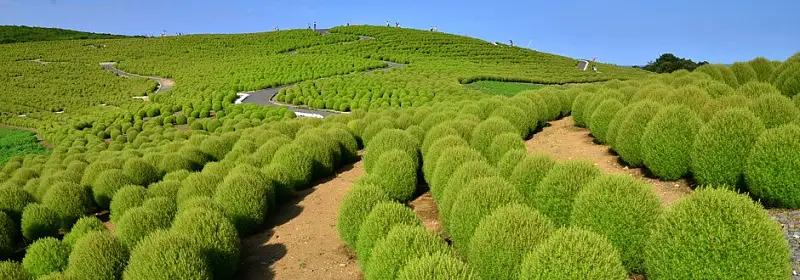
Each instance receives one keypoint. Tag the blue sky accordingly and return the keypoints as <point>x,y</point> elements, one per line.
<point>626,32</point>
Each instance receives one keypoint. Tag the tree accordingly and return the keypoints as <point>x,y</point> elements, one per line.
<point>668,63</point>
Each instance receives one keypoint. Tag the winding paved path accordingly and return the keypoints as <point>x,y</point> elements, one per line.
<point>164,84</point>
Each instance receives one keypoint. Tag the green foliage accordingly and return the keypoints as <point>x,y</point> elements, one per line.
<point>772,172</point>
<point>107,184</point>
<point>719,234</point>
<point>347,143</point>
<point>461,179</point>
<point>503,88</point>
<point>630,131</point>
<point>164,207</point>
<point>599,120</point>
<point>82,227</point>
<point>127,197</point>
<point>502,144</point>
<point>321,150</point>
<point>556,192</point>
<point>44,256</point>
<point>9,232</point>
<point>722,145</point>
<point>18,34</point>
<point>245,196</point>
<point>388,140</point>
<point>39,221</point>
<point>668,63</point>
<point>509,161</point>
<point>15,142</point>
<point>528,173</point>
<point>166,256</point>
<point>447,164</point>
<point>166,188</point>
<point>438,266</point>
<point>70,201</point>
<point>296,163</point>
<point>572,253</point>
<point>774,110</point>
<point>396,174</point>
<point>13,201</point>
<point>440,131</point>
<point>503,239</point>
<point>667,141</point>
<point>473,203</point>
<point>744,72</point>
<point>136,224</point>
<point>485,132</point>
<point>516,117</point>
<point>579,106</point>
<point>383,217</point>
<point>12,271</point>
<point>216,237</point>
<point>140,172</point>
<point>402,244</point>
<point>763,68</point>
<point>98,256</point>
<point>197,184</point>
<point>437,150</point>
<point>355,207</point>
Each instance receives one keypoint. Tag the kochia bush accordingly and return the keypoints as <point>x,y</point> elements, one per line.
<point>12,270</point>
<point>516,117</point>
<point>383,217</point>
<point>772,172</point>
<point>722,145</point>
<point>629,134</point>
<point>107,184</point>
<point>447,163</point>
<point>245,196</point>
<point>401,244</point>
<point>136,224</point>
<point>298,165</point>
<point>502,144</point>
<point>667,141</point>
<point>438,266</point>
<point>572,253</point>
<point>140,171</point>
<point>214,235</point>
<point>127,197</point>
<point>44,256</point>
<point>396,174</point>
<point>388,140</point>
<point>473,203</point>
<point>774,110</point>
<point>602,116</point>
<point>528,173</point>
<point>556,192</point>
<point>509,161</point>
<point>165,255</point>
<point>485,132</point>
<point>9,232</point>
<point>98,256</point>
<point>356,205</point>
<point>466,173</point>
<point>82,227</point>
<point>436,150</point>
<point>39,221</point>
<point>13,201</point>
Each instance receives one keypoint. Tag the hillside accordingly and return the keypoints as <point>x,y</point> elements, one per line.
<point>20,34</point>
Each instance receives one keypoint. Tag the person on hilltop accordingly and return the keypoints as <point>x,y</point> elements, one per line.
<point>594,67</point>
<point>309,26</point>
<point>387,24</point>
<point>315,25</point>
<point>396,24</point>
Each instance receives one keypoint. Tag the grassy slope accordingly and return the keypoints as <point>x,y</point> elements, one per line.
<point>19,34</point>
<point>503,88</point>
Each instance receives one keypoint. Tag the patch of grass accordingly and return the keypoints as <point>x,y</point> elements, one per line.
<point>15,142</point>
<point>503,88</point>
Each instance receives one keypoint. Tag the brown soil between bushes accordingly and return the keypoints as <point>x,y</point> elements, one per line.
<point>564,141</point>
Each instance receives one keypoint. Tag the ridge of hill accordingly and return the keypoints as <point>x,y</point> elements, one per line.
<point>20,34</point>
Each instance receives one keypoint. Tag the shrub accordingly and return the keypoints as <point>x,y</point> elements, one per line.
<point>719,234</point>
<point>127,197</point>
<point>509,161</point>
<point>599,120</point>
<point>573,254</point>
<point>13,201</point>
<point>176,161</point>
<point>297,165</point>
<point>245,197</point>
<point>320,148</point>
<point>690,96</point>
<point>774,110</point>
<point>12,271</point>
<point>168,189</point>
<point>623,210</point>
<point>439,131</point>
<point>395,173</point>
<point>744,72</point>
<point>216,237</point>
<point>356,205</point>
<point>515,116</point>
<point>107,184</point>
<point>436,150</point>
<point>763,68</point>
<point>629,134</point>
<point>502,144</point>
<point>39,221</point>
<point>347,143</point>
<point>485,132</point>
<point>70,201</point>
<point>401,244</point>
<point>613,125</point>
<point>438,266</point>
<point>462,176</point>
<point>136,224</point>
<point>98,255</point>
<point>722,145</point>
<point>8,235</point>
<point>83,226</point>
<point>95,169</point>
<point>197,184</point>
<point>555,194</point>
<point>503,238</point>
<point>383,217</point>
<point>165,255</point>
<point>140,172</point>
<point>388,140</point>
<point>667,141</point>
<point>528,173</point>
<point>772,173</point>
<point>44,256</point>
<point>374,128</point>
<point>724,103</point>
<point>477,200</point>
<point>447,163</point>
<point>175,176</point>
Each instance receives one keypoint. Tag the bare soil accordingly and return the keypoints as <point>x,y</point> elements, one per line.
<point>302,241</point>
<point>564,141</point>
<point>428,212</point>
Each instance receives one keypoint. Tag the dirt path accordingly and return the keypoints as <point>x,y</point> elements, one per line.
<point>302,241</point>
<point>564,141</point>
<point>164,84</point>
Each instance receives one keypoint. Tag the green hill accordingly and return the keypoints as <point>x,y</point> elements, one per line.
<point>19,34</point>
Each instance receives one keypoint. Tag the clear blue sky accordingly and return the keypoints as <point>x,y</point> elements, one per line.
<point>624,32</point>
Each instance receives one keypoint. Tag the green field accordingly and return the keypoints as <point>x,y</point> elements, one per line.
<point>503,88</point>
<point>15,142</point>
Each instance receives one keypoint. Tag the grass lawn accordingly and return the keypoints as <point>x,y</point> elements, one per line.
<point>503,88</point>
<point>15,142</point>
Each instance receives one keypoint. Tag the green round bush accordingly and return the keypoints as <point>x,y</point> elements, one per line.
<point>667,141</point>
<point>82,227</point>
<point>502,144</point>
<point>722,145</point>
<point>599,120</point>
<point>772,172</point>
<point>8,235</point>
<point>396,174</point>
<point>319,147</point>
<point>763,68</point>
<point>438,266</point>
<point>629,134</point>
<point>215,235</point>
<point>165,256</point>
<point>447,163</point>
<point>197,184</point>
<point>744,72</point>
<point>216,147</point>
<point>515,116</point>
<point>503,239</point>
<point>298,165</point>
<point>168,189</point>
<point>356,205</point>
<point>199,202</point>
<point>439,131</point>
<point>12,271</point>
<point>436,150</point>
<point>176,161</point>
<point>757,89</point>
<point>374,128</point>
<point>719,234</point>
<point>462,176</point>
<point>774,110</point>
<point>556,192</point>
<point>613,125</point>
<point>388,140</point>
<point>95,169</point>
<point>39,221</point>
<point>127,197</point>
<point>691,96</point>
<point>98,256</point>
<point>347,143</point>
<point>245,197</point>
<point>528,173</point>
<point>107,184</point>
<point>509,161</point>
<point>44,256</point>
<point>140,172</point>
<point>572,253</point>
<point>401,244</point>
<point>175,176</point>
<point>13,201</point>
<point>377,224</point>
<point>622,209</point>
<point>136,224</point>
<point>477,200</point>
<point>485,132</point>
<point>70,201</point>
<point>164,207</point>
<point>724,103</point>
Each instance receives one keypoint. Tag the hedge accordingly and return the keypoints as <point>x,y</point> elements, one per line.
<point>136,224</point>
<point>12,270</point>
<point>438,266</point>
<point>356,206</point>
<point>629,134</point>
<point>476,201</point>
<point>166,188</point>
<point>296,163</point>
<point>447,163</point>
<point>13,201</point>
<point>165,256</point>
<point>461,178</point>
<point>98,256</point>
<point>396,174</point>
<point>485,132</point>
<point>572,253</point>
<point>772,172</point>
<point>107,184</point>
<point>503,239</point>
<point>599,120</point>
<point>383,217</point>
<point>245,197</point>
<point>216,237</point>
<point>503,143</point>
<point>667,141</point>
<point>126,198</point>
<point>719,234</point>
<point>388,140</point>
<point>44,256</point>
<point>82,227</point>
<point>401,244</point>
<point>39,221</point>
<point>528,173</point>
<point>9,232</point>
<point>622,209</point>
<point>555,194</point>
<point>722,145</point>
<point>774,110</point>
<point>437,150</point>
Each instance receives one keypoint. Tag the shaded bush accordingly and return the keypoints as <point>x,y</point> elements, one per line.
<point>347,144</point>
<point>140,172</point>
<point>214,235</point>
<point>573,254</point>
<point>175,176</point>
<point>722,145</point>
<point>629,134</point>
<point>127,197</point>
<point>388,140</point>
<point>485,132</point>
<point>613,126</point>
<point>402,243</point>
<point>396,174</point>
<point>383,217</point>
<point>216,147</point>
<point>137,223</point>
<point>556,192</point>
<point>166,256</point>
<point>774,110</point>
<point>245,197</point>
<point>8,235</point>
<point>44,256</point>
<point>39,221</point>
<point>599,120</point>
<point>747,244</point>
<point>98,256</point>
<point>503,143</point>
<point>13,201</point>
<point>297,165</point>
<point>83,226</point>
<point>12,270</point>
<point>356,205</point>
<point>438,266</point>
<point>70,201</point>
<point>744,72</point>
<point>316,144</point>
<point>667,141</point>
<point>473,203</point>
<point>461,178</point>
<point>528,173</point>
<point>763,68</point>
<point>502,240</point>
<point>107,184</point>
<point>772,172</point>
